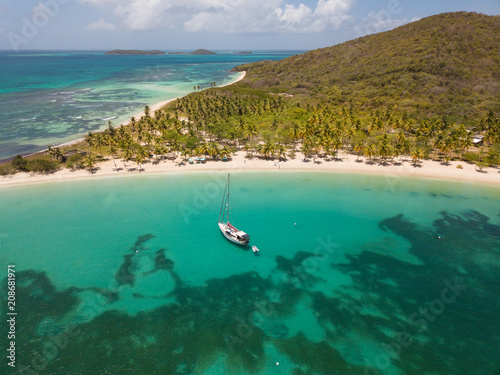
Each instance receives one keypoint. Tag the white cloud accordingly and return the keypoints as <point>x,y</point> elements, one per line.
<point>228,16</point>
<point>333,12</point>
<point>381,21</point>
<point>101,3</point>
<point>101,24</point>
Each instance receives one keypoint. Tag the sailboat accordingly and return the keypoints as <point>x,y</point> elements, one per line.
<point>230,232</point>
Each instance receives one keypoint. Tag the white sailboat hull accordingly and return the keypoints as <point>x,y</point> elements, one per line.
<point>232,236</point>
<point>230,232</point>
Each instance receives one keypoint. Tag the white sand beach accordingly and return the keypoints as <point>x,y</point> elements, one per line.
<point>345,163</point>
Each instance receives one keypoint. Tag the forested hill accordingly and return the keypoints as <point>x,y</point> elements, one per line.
<point>448,64</point>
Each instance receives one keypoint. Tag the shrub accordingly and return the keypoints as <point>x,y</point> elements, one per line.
<point>471,157</point>
<point>480,166</point>
<point>43,166</point>
<point>7,169</point>
<point>19,163</point>
<point>75,161</point>
<point>492,157</point>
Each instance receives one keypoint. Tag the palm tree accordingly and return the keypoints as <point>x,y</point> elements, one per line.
<point>127,153</point>
<point>58,153</point>
<point>325,143</point>
<point>267,150</point>
<point>448,146</point>
<point>384,148</point>
<point>251,131</point>
<point>147,112</point>
<point>121,132</point>
<point>99,141</point>
<point>133,123</point>
<point>416,155</point>
<point>359,148</point>
<point>89,139</point>
<point>175,146</point>
<point>140,130</point>
<point>148,138</point>
<point>141,155</point>
<point>466,143</point>
<point>225,152</point>
<point>112,152</point>
<point>336,143</point>
<point>241,125</point>
<point>90,162</point>
<point>203,149</point>
<point>370,151</point>
<point>398,150</point>
<point>306,149</point>
<point>295,132</point>
<point>400,137</point>
<point>282,154</point>
<point>159,149</point>
<point>50,151</point>
<point>213,150</point>
<point>350,132</point>
<point>439,142</point>
<point>55,152</point>
<point>111,130</point>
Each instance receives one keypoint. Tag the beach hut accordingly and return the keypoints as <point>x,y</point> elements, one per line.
<point>74,151</point>
<point>170,156</point>
<point>478,140</point>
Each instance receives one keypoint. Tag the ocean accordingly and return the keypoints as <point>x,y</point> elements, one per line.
<point>52,97</point>
<point>356,275</point>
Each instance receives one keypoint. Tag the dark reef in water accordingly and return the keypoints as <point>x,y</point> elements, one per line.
<point>396,305</point>
<point>125,274</point>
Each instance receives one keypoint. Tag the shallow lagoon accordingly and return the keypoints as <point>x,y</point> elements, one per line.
<point>357,274</point>
<point>54,97</point>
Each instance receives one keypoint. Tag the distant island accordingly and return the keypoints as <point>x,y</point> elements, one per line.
<point>197,52</point>
<point>134,52</point>
<point>243,53</point>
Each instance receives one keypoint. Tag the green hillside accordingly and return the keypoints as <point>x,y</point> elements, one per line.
<point>448,64</point>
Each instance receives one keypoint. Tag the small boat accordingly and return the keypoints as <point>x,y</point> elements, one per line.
<point>229,231</point>
<point>255,249</point>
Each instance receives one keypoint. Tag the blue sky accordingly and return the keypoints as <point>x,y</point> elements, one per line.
<point>212,24</point>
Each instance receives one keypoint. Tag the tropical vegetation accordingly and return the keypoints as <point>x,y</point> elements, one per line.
<point>423,90</point>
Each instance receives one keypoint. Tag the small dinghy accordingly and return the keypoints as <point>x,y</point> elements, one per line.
<point>255,249</point>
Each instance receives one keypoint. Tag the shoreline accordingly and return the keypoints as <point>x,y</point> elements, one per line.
<point>345,163</point>
<point>153,108</point>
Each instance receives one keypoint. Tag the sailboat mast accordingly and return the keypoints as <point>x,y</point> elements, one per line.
<point>228,190</point>
<point>225,203</point>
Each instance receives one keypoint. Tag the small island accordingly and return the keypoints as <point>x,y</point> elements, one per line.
<point>243,53</point>
<point>197,52</point>
<point>133,52</point>
<point>203,52</point>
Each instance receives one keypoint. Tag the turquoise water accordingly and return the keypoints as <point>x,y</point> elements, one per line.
<point>48,98</point>
<point>355,275</point>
